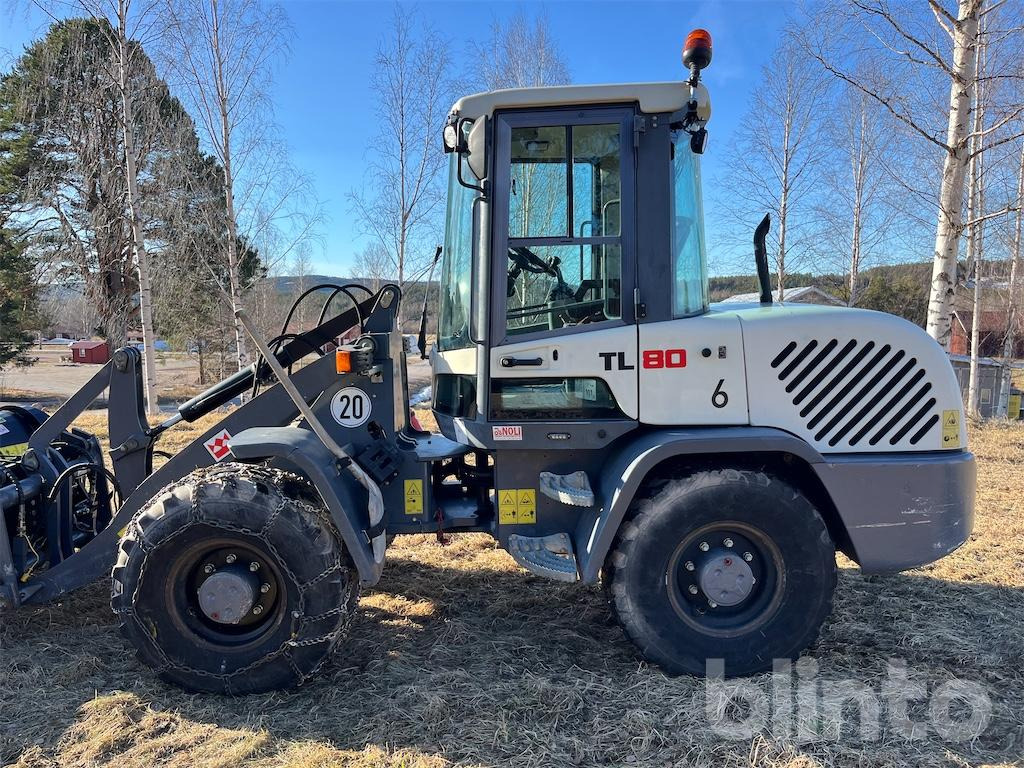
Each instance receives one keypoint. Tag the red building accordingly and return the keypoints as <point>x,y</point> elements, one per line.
<point>95,352</point>
<point>992,329</point>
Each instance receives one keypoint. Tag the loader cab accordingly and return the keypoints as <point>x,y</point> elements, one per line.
<point>574,215</point>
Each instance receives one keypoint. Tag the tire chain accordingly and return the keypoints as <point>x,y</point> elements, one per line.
<point>275,478</point>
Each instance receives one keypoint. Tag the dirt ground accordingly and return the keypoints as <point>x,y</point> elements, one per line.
<point>459,657</point>
<point>51,378</point>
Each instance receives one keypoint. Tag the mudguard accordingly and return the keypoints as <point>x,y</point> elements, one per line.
<point>300,450</point>
<point>897,510</point>
<point>627,468</point>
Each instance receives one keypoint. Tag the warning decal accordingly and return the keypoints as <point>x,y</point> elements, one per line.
<point>951,429</point>
<point>219,445</point>
<point>414,497</point>
<point>517,506</point>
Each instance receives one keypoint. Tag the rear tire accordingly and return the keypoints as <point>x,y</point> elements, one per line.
<point>285,591</point>
<point>726,564</point>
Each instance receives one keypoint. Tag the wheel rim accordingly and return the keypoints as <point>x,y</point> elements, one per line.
<point>725,579</point>
<point>227,592</point>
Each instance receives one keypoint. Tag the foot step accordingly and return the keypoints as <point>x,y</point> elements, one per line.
<point>548,556</point>
<point>573,489</point>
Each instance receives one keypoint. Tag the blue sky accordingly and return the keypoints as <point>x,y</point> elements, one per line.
<point>324,105</point>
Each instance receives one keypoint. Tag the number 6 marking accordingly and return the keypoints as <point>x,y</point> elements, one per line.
<point>720,398</point>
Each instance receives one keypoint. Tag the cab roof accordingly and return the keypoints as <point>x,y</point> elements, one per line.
<point>652,97</point>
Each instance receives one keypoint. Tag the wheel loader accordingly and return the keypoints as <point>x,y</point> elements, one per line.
<point>598,417</point>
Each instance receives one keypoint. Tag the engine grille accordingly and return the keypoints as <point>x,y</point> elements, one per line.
<point>857,392</point>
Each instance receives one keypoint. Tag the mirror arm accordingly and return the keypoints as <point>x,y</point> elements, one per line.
<point>462,181</point>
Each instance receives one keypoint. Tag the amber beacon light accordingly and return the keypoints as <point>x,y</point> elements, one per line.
<point>697,53</point>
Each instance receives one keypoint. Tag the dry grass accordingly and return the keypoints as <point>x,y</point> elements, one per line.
<point>459,657</point>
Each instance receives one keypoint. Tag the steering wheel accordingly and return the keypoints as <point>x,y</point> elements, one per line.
<point>527,261</point>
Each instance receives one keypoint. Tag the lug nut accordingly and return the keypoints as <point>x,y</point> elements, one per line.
<point>704,546</point>
<point>264,588</point>
<point>693,589</point>
<point>712,604</point>
<point>230,559</point>
<point>257,610</point>
<point>208,568</point>
<point>688,565</point>
<point>747,556</point>
<point>728,542</point>
<point>254,567</point>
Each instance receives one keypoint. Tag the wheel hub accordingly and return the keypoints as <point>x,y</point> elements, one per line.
<point>726,578</point>
<point>229,595</point>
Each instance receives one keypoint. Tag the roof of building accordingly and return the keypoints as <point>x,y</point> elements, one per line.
<point>801,294</point>
<point>86,344</point>
<point>652,97</point>
<point>985,361</point>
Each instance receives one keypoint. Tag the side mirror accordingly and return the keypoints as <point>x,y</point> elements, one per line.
<point>477,148</point>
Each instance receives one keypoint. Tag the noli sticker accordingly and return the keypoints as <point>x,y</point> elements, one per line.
<point>507,432</point>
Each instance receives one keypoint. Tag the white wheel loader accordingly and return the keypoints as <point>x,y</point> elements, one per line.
<point>598,417</point>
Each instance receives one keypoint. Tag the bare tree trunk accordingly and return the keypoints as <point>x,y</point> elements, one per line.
<point>951,191</point>
<point>138,239</point>
<point>783,211</point>
<point>976,210</point>
<point>202,368</point>
<point>234,267</point>
<point>859,171</point>
<point>1012,308</point>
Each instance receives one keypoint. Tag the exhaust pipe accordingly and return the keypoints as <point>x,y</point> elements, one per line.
<point>761,258</point>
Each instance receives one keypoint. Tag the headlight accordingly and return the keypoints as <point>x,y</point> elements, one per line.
<point>451,137</point>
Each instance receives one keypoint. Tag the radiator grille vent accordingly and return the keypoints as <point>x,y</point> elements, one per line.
<point>860,393</point>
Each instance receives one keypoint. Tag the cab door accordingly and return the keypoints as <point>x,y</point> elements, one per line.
<point>564,339</point>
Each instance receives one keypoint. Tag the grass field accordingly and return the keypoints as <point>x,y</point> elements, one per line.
<point>460,657</point>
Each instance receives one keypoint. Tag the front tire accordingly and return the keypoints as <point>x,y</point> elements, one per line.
<point>726,564</point>
<point>234,581</point>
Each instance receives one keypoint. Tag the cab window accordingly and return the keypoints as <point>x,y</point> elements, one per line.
<point>457,265</point>
<point>689,261</point>
<point>564,246</point>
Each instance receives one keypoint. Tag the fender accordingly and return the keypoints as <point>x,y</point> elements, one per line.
<point>627,467</point>
<point>301,450</point>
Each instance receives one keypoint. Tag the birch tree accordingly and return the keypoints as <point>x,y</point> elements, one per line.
<point>1013,303</point>
<point>776,159</point>
<point>401,203</point>
<point>923,46</point>
<point>500,60</point>
<point>857,212</point>
<point>221,54</point>
<point>975,231</point>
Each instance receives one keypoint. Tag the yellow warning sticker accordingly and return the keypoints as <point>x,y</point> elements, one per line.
<point>13,450</point>
<point>517,506</point>
<point>1013,409</point>
<point>414,497</point>
<point>951,429</point>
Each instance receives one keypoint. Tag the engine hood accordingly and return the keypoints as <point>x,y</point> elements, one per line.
<point>848,380</point>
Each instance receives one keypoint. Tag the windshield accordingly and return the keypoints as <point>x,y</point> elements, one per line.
<point>457,264</point>
<point>689,261</point>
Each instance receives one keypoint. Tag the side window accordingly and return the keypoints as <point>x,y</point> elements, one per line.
<point>565,185</point>
<point>689,262</point>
